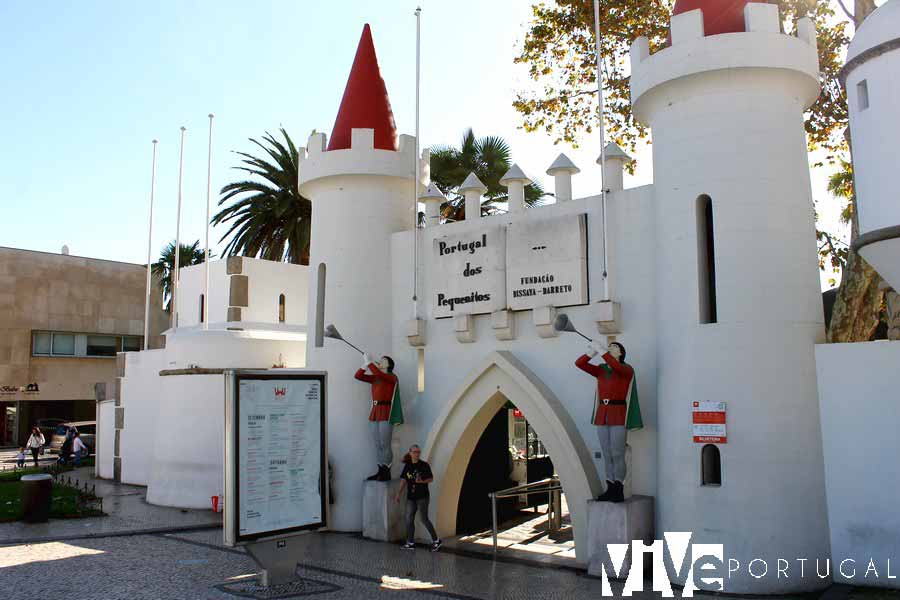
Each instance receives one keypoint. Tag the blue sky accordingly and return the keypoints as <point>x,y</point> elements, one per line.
<point>88,85</point>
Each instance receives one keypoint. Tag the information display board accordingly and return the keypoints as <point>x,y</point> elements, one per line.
<point>275,463</point>
<point>708,419</point>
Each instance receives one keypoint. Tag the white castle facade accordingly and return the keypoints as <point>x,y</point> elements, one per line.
<point>712,287</point>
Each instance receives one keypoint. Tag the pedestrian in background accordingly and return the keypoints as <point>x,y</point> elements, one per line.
<point>35,443</point>
<point>415,478</point>
<point>20,458</point>
<point>65,450</point>
<point>80,448</point>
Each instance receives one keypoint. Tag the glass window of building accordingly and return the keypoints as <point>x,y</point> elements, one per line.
<point>63,344</point>
<point>41,345</point>
<point>102,345</point>
<point>131,343</point>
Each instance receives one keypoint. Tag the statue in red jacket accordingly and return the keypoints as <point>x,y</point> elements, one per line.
<point>386,410</point>
<point>616,410</point>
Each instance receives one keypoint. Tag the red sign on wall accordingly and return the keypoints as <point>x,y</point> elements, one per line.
<point>709,422</point>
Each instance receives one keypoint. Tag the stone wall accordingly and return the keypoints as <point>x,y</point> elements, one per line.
<point>56,292</point>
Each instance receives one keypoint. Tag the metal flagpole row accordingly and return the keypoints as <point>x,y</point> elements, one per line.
<point>174,302</point>
<point>175,274</point>
<point>416,171</point>
<point>602,144</point>
<point>206,260</point>
<point>149,252</point>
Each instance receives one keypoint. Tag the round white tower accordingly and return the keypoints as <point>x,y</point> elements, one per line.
<point>361,192</point>
<point>739,308</point>
<point>872,80</point>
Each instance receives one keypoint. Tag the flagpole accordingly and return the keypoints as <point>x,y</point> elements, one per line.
<point>602,145</point>
<point>174,301</point>
<point>206,260</point>
<point>416,170</point>
<point>149,252</point>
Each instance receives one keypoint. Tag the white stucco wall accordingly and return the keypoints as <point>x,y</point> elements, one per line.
<point>190,287</point>
<point>859,400</point>
<point>174,424</point>
<point>140,399</point>
<point>186,467</point>
<point>106,437</point>
<point>267,280</point>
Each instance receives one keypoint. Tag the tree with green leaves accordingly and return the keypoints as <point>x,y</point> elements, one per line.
<point>559,52</point>
<point>269,218</point>
<point>489,158</point>
<point>163,269</point>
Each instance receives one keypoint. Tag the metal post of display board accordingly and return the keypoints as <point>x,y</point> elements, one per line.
<point>275,548</point>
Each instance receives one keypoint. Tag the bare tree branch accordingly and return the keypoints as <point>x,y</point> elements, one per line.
<point>846,12</point>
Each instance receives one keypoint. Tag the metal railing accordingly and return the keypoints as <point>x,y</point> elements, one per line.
<point>551,485</point>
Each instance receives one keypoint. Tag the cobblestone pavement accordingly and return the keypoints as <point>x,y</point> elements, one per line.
<point>195,565</point>
<point>127,512</point>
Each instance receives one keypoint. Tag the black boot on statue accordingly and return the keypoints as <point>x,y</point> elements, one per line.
<point>384,473</point>
<point>618,494</point>
<point>376,476</point>
<point>605,496</point>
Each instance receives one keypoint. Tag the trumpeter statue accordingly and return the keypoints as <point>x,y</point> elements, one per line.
<point>616,409</point>
<point>386,410</point>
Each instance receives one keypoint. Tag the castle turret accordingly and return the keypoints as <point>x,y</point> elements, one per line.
<point>361,193</point>
<point>739,308</point>
<point>872,80</point>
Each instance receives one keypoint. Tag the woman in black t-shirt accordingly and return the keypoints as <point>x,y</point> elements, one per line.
<point>415,477</point>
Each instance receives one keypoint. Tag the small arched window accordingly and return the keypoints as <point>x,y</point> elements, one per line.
<point>202,307</point>
<point>711,465</point>
<point>281,308</point>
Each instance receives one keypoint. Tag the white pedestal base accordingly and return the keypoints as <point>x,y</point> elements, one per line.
<point>382,517</point>
<point>617,523</point>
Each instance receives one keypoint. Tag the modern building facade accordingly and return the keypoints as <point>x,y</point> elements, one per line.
<point>62,320</point>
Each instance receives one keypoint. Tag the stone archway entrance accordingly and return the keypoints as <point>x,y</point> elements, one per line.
<point>457,429</point>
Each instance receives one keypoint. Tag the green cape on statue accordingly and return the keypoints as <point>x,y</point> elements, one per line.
<point>633,420</point>
<point>396,417</point>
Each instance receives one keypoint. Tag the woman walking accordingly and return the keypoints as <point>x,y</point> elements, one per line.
<point>415,478</point>
<point>35,442</point>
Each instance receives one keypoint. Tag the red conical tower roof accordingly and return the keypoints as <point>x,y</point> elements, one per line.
<point>365,104</point>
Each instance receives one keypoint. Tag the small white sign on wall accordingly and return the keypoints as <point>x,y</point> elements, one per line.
<point>468,273</point>
<point>546,262</point>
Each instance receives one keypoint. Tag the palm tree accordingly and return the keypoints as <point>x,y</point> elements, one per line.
<point>271,219</point>
<point>165,266</point>
<point>489,158</point>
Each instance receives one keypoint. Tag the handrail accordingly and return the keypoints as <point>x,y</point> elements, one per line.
<point>552,484</point>
<point>515,491</point>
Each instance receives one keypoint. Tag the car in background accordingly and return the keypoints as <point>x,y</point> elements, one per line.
<point>48,427</point>
<point>87,430</point>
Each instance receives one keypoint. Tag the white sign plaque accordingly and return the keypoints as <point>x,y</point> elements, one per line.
<point>708,421</point>
<point>468,273</point>
<point>546,262</point>
<point>276,456</point>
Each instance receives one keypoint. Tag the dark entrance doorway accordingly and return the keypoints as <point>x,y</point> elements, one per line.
<point>508,454</point>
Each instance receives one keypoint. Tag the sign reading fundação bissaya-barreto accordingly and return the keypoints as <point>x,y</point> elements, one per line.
<point>524,265</point>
